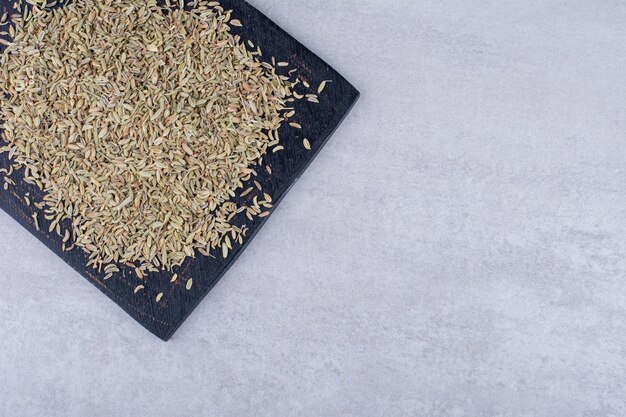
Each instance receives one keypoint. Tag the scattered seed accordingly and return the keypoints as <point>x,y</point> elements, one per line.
<point>189,284</point>
<point>36,221</point>
<point>246,192</point>
<point>307,144</point>
<point>107,183</point>
<point>322,86</point>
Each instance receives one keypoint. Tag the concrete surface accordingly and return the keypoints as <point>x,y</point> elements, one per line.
<point>457,250</point>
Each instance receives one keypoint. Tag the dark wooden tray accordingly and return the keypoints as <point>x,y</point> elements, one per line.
<point>318,122</point>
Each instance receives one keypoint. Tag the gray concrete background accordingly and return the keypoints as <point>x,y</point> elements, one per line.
<point>458,249</point>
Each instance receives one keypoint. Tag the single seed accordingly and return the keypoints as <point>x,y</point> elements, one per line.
<point>322,86</point>
<point>159,296</point>
<point>307,144</point>
<point>189,284</point>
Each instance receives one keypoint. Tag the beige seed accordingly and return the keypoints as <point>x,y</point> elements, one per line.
<point>159,297</point>
<point>322,86</point>
<point>138,288</point>
<point>34,216</point>
<point>307,144</point>
<point>189,284</point>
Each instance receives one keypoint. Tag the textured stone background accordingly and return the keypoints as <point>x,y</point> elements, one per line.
<point>457,249</point>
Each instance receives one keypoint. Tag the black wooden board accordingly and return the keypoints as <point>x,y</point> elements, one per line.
<point>318,122</point>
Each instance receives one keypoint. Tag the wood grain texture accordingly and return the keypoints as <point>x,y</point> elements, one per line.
<point>318,122</point>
